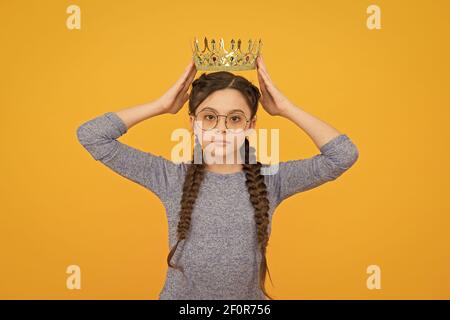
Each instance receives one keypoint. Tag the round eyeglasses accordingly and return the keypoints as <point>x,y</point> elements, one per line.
<point>235,120</point>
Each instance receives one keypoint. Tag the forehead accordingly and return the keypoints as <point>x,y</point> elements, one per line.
<point>224,101</point>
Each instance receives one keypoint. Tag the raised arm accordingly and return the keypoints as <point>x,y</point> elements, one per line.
<point>294,176</point>
<point>337,152</point>
<point>99,137</point>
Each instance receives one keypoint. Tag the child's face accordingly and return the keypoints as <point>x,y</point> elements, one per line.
<point>221,142</point>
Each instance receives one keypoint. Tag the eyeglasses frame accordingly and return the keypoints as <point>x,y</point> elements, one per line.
<point>217,122</point>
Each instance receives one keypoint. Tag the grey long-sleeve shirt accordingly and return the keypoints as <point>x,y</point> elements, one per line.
<point>220,256</point>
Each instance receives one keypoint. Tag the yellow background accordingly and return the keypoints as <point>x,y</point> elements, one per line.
<point>387,89</point>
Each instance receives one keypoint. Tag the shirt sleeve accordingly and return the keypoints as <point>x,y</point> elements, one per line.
<point>290,177</point>
<point>99,137</point>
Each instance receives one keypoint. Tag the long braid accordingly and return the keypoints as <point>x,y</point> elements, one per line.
<point>258,197</point>
<point>191,187</point>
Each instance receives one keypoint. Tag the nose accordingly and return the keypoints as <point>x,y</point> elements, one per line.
<point>221,124</point>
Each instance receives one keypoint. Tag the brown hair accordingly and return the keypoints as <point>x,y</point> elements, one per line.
<point>201,88</point>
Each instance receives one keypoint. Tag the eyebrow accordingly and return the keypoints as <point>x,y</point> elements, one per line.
<point>240,110</point>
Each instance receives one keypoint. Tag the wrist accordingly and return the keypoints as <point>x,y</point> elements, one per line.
<point>288,110</point>
<point>156,107</point>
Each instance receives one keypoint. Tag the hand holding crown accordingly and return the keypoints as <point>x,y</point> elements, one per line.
<point>272,100</point>
<point>238,57</point>
<point>177,95</point>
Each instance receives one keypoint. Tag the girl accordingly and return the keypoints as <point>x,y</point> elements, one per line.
<point>219,215</point>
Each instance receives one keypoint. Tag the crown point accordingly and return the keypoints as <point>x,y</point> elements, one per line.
<point>218,58</point>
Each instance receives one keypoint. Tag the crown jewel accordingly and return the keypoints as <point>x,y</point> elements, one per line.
<point>218,58</point>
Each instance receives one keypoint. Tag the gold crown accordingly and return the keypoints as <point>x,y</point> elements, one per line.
<point>215,58</point>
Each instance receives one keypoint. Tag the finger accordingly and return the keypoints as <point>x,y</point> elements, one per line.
<point>190,64</point>
<point>262,86</point>
<point>261,68</point>
<point>265,74</point>
<point>189,80</point>
<point>268,83</point>
<point>259,61</point>
<point>266,86</point>
<point>191,74</point>
<point>261,81</point>
<point>181,100</point>
<point>189,69</point>
<point>264,68</point>
<point>181,93</point>
<point>260,78</point>
<point>263,77</point>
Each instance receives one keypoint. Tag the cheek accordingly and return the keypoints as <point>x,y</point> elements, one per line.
<point>199,135</point>
<point>239,140</point>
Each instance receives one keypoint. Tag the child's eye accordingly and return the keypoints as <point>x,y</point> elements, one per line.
<point>235,118</point>
<point>210,117</point>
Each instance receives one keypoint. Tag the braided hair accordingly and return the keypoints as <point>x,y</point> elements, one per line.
<point>201,88</point>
